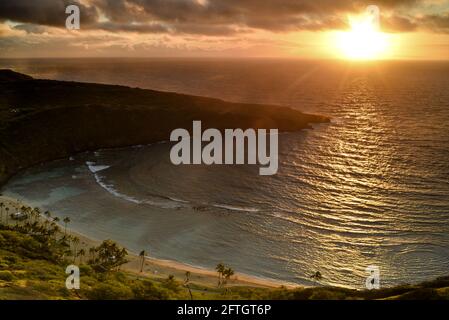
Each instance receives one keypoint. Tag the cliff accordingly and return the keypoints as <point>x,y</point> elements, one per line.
<point>43,120</point>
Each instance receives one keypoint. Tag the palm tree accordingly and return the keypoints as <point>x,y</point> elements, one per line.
<point>92,253</point>
<point>75,241</point>
<point>48,215</point>
<point>227,273</point>
<point>81,254</point>
<point>7,214</point>
<point>36,211</point>
<point>25,212</point>
<point>66,221</point>
<point>142,260</point>
<point>220,269</point>
<point>54,224</point>
<point>37,215</point>
<point>186,284</point>
<point>1,210</point>
<point>54,227</point>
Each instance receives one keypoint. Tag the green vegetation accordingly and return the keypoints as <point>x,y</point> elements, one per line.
<point>224,273</point>
<point>34,253</point>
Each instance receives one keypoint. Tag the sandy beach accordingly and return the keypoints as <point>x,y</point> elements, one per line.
<point>159,268</point>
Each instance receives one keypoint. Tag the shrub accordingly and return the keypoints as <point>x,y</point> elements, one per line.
<point>146,290</point>
<point>421,294</point>
<point>85,270</point>
<point>6,275</point>
<point>110,290</point>
<point>326,294</point>
<point>171,284</point>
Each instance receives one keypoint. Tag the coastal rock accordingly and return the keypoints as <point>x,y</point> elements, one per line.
<point>56,119</point>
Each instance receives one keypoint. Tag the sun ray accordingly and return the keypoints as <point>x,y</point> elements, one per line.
<point>363,42</point>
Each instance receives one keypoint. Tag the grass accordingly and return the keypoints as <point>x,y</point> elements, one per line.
<point>32,266</point>
<point>27,271</point>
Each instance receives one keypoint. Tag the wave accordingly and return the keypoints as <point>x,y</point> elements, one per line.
<point>112,190</point>
<point>168,203</point>
<point>96,168</point>
<point>178,200</point>
<point>235,208</point>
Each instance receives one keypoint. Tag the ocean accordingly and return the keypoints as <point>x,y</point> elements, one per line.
<point>369,188</point>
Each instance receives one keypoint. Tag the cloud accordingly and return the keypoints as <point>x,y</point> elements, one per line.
<point>216,17</point>
<point>133,27</point>
<point>222,16</point>
<point>438,23</point>
<point>398,24</point>
<point>43,12</point>
<point>432,23</point>
<point>30,28</point>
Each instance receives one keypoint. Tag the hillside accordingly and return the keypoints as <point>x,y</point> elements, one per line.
<point>33,258</point>
<point>42,120</point>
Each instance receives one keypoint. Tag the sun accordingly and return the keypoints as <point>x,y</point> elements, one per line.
<point>364,41</point>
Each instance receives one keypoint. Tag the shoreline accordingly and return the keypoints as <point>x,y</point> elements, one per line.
<point>161,268</point>
<point>94,116</point>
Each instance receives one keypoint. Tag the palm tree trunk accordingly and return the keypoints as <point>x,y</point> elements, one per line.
<point>142,263</point>
<point>190,292</point>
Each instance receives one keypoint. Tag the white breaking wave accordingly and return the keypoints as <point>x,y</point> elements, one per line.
<point>178,200</point>
<point>94,168</point>
<point>112,190</point>
<point>173,203</point>
<point>235,208</point>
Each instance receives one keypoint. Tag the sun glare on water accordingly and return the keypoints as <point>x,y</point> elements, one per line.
<point>363,42</point>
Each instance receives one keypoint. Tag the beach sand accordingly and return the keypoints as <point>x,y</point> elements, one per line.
<point>160,269</point>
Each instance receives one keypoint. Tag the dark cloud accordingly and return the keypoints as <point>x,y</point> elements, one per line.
<point>214,17</point>
<point>43,12</point>
<point>232,11</point>
<point>219,16</point>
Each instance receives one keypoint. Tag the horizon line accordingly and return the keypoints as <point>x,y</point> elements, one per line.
<point>235,58</point>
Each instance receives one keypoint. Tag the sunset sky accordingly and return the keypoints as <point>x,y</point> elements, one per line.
<point>411,29</point>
